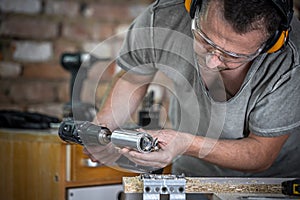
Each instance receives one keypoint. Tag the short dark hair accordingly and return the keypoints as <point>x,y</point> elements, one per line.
<point>248,15</point>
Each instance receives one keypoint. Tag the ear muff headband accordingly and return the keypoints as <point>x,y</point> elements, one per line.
<point>280,38</point>
<point>191,6</point>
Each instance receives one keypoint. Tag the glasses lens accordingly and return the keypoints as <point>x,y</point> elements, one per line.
<point>230,59</point>
<point>204,59</point>
<point>200,45</point>
<point>205,45</point>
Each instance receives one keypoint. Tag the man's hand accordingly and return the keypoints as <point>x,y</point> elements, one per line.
<point>106,155</point>
<point>171,143</point>
<point>251,154</point>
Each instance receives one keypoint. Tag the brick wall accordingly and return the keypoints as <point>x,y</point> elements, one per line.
<point>297,8</point>
<point>34,34</point>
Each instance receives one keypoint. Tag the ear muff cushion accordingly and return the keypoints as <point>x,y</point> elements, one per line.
<point>187,5</point>
<point>279,43</point>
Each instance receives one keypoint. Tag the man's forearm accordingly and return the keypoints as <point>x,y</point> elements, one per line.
<point>251,154</point>
<point>123,99</point>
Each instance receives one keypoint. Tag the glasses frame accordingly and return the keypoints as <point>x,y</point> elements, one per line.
<point>222,53</point>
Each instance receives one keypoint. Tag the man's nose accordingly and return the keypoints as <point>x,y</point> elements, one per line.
<point>212,60</point>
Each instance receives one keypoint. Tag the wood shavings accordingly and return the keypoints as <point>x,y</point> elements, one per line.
<point>133,184</point>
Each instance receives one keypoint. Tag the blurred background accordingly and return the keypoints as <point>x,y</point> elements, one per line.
<point>35,33</point>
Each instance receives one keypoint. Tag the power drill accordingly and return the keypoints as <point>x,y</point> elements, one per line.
<point>88,134</point>
<point>74,63</point>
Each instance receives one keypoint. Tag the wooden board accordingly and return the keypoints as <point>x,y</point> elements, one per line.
<point>216,185</point>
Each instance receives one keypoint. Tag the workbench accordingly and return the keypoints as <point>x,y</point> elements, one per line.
<point>179,187</point>
<point>38,165</point>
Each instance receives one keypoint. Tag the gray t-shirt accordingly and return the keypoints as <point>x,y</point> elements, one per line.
<point>267,104</point>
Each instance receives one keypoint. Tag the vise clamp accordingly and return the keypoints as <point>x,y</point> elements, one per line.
<point>155,185</point>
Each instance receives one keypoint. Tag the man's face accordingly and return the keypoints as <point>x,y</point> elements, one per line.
<point>218,47</point>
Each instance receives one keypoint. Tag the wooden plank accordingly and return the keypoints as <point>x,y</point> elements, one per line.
<point>215,185</point>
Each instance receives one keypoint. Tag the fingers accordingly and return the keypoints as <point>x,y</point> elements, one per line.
<point>86,152</point>
<point>159,134</point>
<point>109,154</point>
<point>98,148</point>
<point>153,159</point>
<point>109,160</point>
<point>106,155</point>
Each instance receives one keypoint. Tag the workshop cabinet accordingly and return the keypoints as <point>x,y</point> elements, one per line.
<point>38,165</point>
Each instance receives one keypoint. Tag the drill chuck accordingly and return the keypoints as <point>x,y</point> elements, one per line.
<point>139,141</point>
<point>92,134</point>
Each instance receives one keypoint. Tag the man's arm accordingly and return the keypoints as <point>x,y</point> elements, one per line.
<point>252,154</point>
<point>124,97</point>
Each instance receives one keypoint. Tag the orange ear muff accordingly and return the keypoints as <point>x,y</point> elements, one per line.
<point>187,5</point>
<point>280,42</point>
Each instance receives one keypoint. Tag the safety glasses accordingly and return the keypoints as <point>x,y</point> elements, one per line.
<point>206,47</point>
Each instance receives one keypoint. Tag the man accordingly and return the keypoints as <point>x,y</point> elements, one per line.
<point>236,109</point>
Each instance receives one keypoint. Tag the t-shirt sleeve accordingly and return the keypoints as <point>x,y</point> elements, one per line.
<point>136,54</point>
<point>278,112</point>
